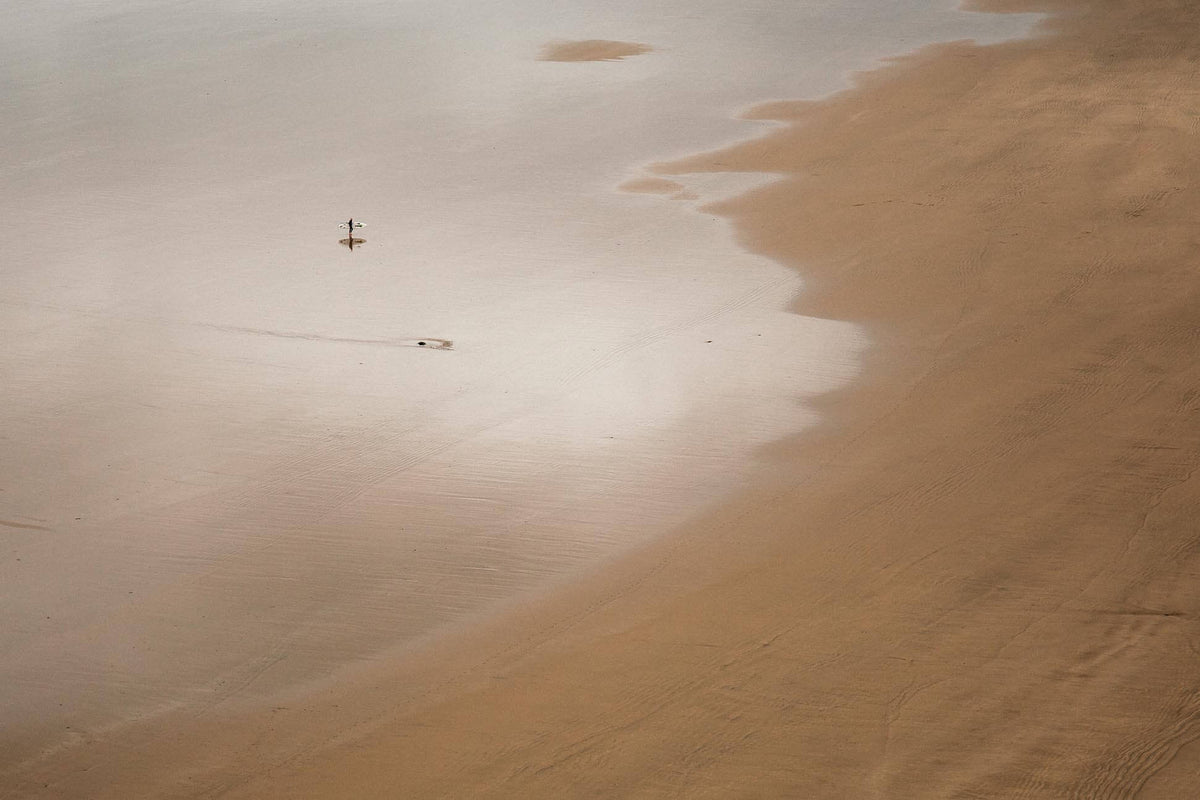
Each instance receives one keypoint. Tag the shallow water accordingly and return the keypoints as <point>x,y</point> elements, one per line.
<point>228,463</point>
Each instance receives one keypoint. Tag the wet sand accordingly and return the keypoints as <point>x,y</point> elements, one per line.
<point>230,471</point>
<point>975,578</point>
<point>979,577</point>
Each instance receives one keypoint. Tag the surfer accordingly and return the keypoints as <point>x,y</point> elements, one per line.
<point>350,225</point>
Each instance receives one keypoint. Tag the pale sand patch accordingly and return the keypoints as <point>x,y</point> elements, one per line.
<point>593,50</point>
<point>651,186</point>
<point>978,580</point>
<point>663,186</point>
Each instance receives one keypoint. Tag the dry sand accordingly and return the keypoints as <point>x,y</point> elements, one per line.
<point>593,50</point>
<point>977,580</point>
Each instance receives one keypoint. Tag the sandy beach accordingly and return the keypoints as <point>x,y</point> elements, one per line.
<point>967,568</point>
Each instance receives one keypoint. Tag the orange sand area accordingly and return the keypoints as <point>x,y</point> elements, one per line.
<point>593,50</point>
